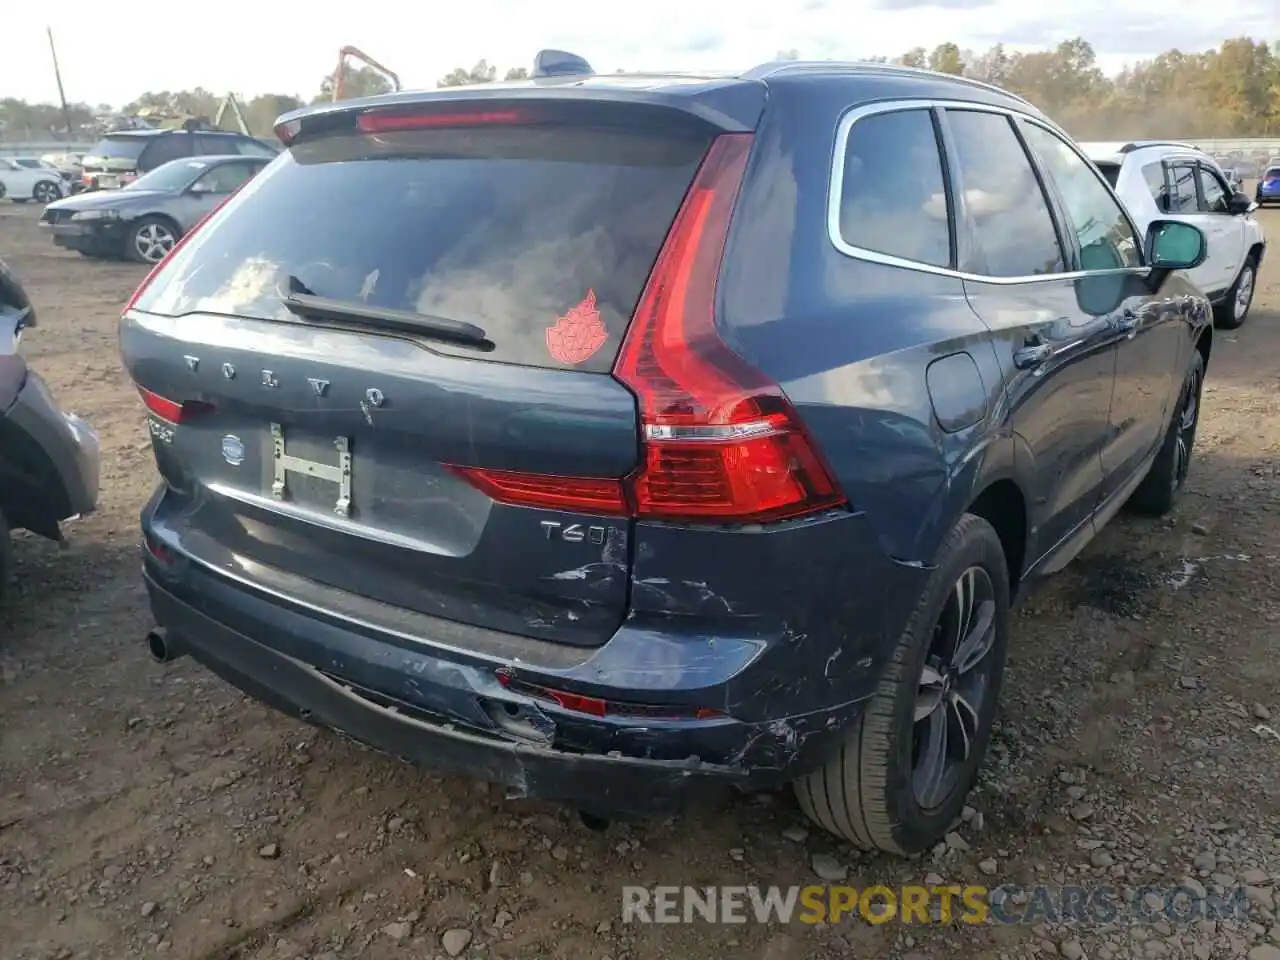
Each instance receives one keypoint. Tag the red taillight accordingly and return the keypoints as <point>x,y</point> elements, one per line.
<point>159,550</point>
<point>721,441</point>
<point>575,494</point>
<point>383,122</point>
<point>597,707</point>
<point>171,410</point>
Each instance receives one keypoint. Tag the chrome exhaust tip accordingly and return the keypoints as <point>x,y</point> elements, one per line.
<point>160,647</point>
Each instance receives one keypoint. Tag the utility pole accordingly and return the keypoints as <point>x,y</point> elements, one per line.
<point>66,114</point>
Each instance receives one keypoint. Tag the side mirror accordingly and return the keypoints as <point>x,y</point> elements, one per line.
<point>1240,203</point>
<point>1173,245</point>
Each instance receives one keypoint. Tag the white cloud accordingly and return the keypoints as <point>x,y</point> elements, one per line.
<point>111,54</point>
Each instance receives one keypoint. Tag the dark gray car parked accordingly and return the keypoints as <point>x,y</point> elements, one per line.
<point>48,459</point>
<point>144,220</point>
<point>614,438</point>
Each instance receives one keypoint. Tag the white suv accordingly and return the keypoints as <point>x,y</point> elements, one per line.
<point>1175,181</point>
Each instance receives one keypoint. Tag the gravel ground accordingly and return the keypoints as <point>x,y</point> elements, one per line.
<point>153,811</point>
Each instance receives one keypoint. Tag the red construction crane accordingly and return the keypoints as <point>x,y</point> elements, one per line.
<point>339,75</point>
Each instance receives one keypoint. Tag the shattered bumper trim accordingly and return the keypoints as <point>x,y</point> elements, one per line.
<point>606,783</point>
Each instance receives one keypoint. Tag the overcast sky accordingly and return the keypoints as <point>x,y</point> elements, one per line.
<point>113,52</point>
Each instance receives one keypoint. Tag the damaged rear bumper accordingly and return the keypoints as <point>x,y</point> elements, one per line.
<point>49,462</point>
<point>440,707</point>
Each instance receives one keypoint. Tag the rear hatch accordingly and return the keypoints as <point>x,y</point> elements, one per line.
<point>415,458</point>
<point>113,161</point>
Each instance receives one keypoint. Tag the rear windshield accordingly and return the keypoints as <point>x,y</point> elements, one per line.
<point>1111,171</point>
<point>542,236</point>
<point>1273,173</point>
<point>119,148</point>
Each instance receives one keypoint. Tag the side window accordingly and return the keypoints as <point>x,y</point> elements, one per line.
<point>1153,173</point>
<point>1012,224</point>
<point>893,195</point>
<point>162,149</point>
<point>1103,232</point>
<point>1214,192</point>
<point>1183,199</point>
<point>226,177</point>
<point>214,146</point>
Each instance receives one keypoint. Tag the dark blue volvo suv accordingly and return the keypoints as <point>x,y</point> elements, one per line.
<point>616,437</point>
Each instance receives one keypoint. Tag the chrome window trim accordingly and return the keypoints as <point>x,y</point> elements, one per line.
<point>835,194</point>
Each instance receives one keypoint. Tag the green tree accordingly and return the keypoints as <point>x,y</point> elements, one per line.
<point>946,58</point>
<point>356,82</point>
<point>915,57</point>
<point>461,77</point>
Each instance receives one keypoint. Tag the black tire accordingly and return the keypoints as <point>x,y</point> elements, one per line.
<point>1,191</point>
<point>1160,487</point>
<point>866,794</point>
<point>1233,311</point>
<point>134,244</point>
<point>46,191</point>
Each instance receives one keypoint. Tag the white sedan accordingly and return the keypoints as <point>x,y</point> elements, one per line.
<point>20,184</point>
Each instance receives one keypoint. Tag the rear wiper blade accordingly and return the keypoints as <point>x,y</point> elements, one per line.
<point>346,313</point>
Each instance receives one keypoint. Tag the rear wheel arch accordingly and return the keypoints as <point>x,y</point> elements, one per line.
<point>1204,345</point>
<point>1002,504</point>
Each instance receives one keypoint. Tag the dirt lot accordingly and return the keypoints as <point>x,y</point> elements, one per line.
<point>149,810</point>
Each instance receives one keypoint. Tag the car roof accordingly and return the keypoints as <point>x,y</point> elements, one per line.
<point>691,84</point>
<point>1115,151</point>
<point>161,133</point>
<point>223,157</point>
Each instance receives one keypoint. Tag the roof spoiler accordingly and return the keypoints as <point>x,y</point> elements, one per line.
<point>560,63</point>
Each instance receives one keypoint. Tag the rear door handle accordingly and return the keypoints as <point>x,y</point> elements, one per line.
<point>1025,358</point>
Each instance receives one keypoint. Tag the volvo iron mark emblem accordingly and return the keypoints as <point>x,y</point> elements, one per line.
<point>232,450</point>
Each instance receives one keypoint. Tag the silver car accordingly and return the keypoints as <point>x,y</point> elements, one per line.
<point>144,220</point>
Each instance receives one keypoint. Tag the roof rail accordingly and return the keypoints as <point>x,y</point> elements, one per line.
<point>1139,144</point>
<point>775,68</point>
<point>560,63</point>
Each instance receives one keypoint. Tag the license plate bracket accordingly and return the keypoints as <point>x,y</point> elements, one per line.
<point>283,463</point>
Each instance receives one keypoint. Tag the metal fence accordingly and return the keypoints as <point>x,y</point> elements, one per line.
<point>1268,145</point>
<point>38,148</point>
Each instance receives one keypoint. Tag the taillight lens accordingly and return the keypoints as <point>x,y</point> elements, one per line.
<point>576,494</point>
<point>721,441</point>
<point>390,122</point>
<point>171,410</point>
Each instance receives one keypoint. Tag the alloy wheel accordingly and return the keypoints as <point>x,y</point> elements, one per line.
<point>1188,417</point>
<point>153,241</point>
<point>1244,292</point>
<point>954,685</point>
<point>46,192</point>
